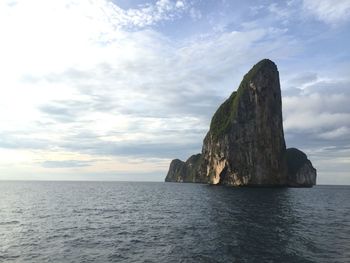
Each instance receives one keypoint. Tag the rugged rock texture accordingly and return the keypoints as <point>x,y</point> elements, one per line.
<point>186,172</point>
<point>245,144</point>
<point>176,171</point>
<point>300,169</point>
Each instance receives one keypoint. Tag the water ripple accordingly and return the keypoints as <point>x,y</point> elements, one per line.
<point>162,222</point>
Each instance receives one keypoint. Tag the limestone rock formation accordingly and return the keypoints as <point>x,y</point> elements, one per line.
<point>186,172</point>
<point>300,169</point>
<point>245,144</point>
<point>176,171</point>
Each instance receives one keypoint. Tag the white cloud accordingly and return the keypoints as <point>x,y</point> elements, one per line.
<point>281,13</point>
<point>179,4</point>
<point>329,11</point>
<point>314,121</point>
<point>319,106</point>
<point>336,133</point>
<point>148,14</point>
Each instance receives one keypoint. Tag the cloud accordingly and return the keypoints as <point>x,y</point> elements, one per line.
<point>281,13</point>
<point>139,106</point>
<point>336,133</point>
<point>21,140</point>
<point>66,164</point>
<point>148,149</point>
<point>159,86</point>
<point>58,112</point>
<point>303,78</point>
<point>299,11</point>
<point>317,120</point>
<point>328,11</point>
<point>148,14</point>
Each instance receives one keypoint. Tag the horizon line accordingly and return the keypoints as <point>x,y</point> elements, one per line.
<point>121,181</point>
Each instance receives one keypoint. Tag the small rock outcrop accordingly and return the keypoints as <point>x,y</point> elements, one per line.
<point>301,173</point>
<point>245,144</point>
<point>186,172</point>
<point>176,172</point>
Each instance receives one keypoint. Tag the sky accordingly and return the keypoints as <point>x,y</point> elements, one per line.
<point>114,90</point>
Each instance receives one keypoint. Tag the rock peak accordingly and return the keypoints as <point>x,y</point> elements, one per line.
<point>266,67</point>
<point>265,63</point>
<point>245,144</point>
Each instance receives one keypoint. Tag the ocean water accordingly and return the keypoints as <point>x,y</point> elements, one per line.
<point>169,222</point>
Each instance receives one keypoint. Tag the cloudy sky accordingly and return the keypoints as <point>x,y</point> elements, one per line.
<point>113,90</point>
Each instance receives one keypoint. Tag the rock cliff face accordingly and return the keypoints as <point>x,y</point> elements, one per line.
<point>300,169</point>
<point>245,143</point>
<point>186,172</point>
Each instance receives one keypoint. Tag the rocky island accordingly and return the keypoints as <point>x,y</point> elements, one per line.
<point>245,144</point>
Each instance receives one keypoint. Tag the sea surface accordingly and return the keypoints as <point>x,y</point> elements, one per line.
<point>170,222</point>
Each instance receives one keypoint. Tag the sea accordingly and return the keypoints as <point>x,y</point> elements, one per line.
<point>171,222</point>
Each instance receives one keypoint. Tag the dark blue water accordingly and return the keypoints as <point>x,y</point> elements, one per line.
<point>167,222</point>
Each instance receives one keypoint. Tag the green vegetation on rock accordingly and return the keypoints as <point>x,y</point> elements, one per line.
<point>194,159</point>
<point>222,119</point>
<point>225,115</point>
<point>193,163</point>
<point>188,171</point>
